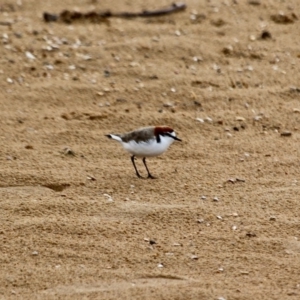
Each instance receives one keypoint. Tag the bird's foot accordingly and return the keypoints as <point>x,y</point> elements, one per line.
<point>139,176</point>
<point>151,176</point>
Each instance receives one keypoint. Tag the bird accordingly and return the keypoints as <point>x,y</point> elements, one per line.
<point>146,142</point>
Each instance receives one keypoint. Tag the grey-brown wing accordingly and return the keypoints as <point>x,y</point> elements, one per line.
<point>141,135</point>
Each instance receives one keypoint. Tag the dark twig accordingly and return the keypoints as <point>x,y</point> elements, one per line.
<point>68,16</point>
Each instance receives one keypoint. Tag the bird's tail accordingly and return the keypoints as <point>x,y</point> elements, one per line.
<point>114,137</point>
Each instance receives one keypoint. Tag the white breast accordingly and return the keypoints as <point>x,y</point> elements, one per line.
<point>149,148</point>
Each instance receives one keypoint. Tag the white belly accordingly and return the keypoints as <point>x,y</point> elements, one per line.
<point>149,148</point>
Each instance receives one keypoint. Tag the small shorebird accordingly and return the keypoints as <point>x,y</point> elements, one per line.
<point>146,142</point>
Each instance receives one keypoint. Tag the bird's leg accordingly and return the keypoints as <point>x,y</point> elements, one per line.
<point>149,174</point>
<point>136,171</point>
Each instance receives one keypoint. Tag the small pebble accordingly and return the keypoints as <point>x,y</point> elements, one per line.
<point>106,73</point>
<point>68,151</point>
<point>176,244</point>
<point>29,55</point>
<point>108,197</point>
<point>49,67</point>
<point>168,104</point>
<point>197,59</point>
<point>227,50</point>
<point>252,37</point>
<point>282,18</point>
<point>265,35</point>
<point>244,272</point>
<point>294,89</point>
<point>240,119</point>
<point>200,120</point>
<point>232,180</point>
<point>257,118</point>
<point>286,133</point>
<point>86,57</point>
<point>251,234</point>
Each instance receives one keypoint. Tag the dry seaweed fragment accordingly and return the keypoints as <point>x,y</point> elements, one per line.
<point>68,16</point>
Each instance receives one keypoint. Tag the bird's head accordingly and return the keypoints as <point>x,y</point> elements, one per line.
<point>166,131</point>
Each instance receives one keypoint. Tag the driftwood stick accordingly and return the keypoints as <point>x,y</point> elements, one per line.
<point>68,16</point>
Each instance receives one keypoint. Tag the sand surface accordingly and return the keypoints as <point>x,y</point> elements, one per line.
<point>222,219</point>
